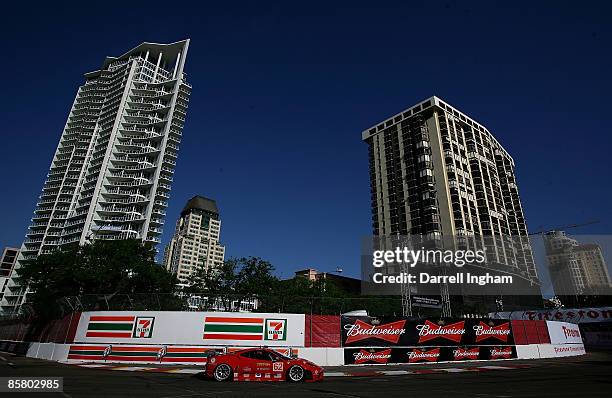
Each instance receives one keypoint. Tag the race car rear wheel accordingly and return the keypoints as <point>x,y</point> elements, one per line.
<point>296,373</point>
<point>222,372</point>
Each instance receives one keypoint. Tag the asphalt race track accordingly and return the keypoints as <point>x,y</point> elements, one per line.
<point>587,376</point>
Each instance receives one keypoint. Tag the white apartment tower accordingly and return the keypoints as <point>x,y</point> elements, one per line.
<point>195,244</point>
<point>111,174</point>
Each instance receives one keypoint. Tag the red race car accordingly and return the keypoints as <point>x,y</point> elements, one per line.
<point>260,364</point>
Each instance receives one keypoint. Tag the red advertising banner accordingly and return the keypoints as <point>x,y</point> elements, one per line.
<point>403,332</point>
<point>410,355</point>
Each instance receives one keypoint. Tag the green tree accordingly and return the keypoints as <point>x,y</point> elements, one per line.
<point>109,270</point>
<point>236,280</point>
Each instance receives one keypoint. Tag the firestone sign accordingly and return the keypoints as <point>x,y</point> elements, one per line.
<point>572,315</point>
<point>564,333</point>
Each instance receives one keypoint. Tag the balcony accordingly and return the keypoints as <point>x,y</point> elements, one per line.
<point>137,182</point>
<point>120,192</point>
<point>137,198</point>
<point>142,166</point>
<point>114,209</point>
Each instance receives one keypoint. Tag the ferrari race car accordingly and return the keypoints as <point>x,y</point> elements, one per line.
<point>260,364</point>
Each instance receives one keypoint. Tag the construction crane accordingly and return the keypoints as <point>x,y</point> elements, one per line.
<point>564,227</point>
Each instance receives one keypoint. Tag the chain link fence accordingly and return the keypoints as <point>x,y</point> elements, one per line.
<point>377,306</point>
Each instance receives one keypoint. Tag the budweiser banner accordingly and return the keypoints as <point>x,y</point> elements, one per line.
<point>371,332</point>
<point>382,356</point>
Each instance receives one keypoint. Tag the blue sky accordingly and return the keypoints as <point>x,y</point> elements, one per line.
<point>282,91</point>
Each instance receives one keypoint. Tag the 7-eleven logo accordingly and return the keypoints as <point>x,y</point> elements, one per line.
<point>143,327</point>
<point>276,329</point>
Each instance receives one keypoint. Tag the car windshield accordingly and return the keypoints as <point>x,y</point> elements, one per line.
<point>279,355</point>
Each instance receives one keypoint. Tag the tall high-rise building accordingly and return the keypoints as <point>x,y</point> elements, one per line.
<point>7,263</point>
<point>111,174</point>
<point>437,173</point>
<point>575,268</point>
<point>195,244</point>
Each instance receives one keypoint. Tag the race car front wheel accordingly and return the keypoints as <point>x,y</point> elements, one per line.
<point>295,373</point>
<point>223,372</point>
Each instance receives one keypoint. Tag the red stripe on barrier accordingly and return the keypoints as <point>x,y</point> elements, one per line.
<point>130,358</point>
<point>117,348</point>
<point>177,359</point>
<point>111,318</point>
<point>233,320</point>
<point>224,336</point>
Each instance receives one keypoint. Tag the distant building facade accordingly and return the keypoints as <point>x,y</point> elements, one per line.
<point>575,268</point>
<point>345,283</point>
<point>195,244</point>
<point>7,264</point>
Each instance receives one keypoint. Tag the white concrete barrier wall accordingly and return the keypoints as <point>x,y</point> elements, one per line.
<point>561,350</point>
<point>323,356</point>
<point>45,350</point>
<point>60,353</point>
<point>33,350</point>
<point>529,351</point>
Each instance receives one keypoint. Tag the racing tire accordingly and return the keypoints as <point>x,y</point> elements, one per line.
<point>222,372</point>
<point>295,374</point>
